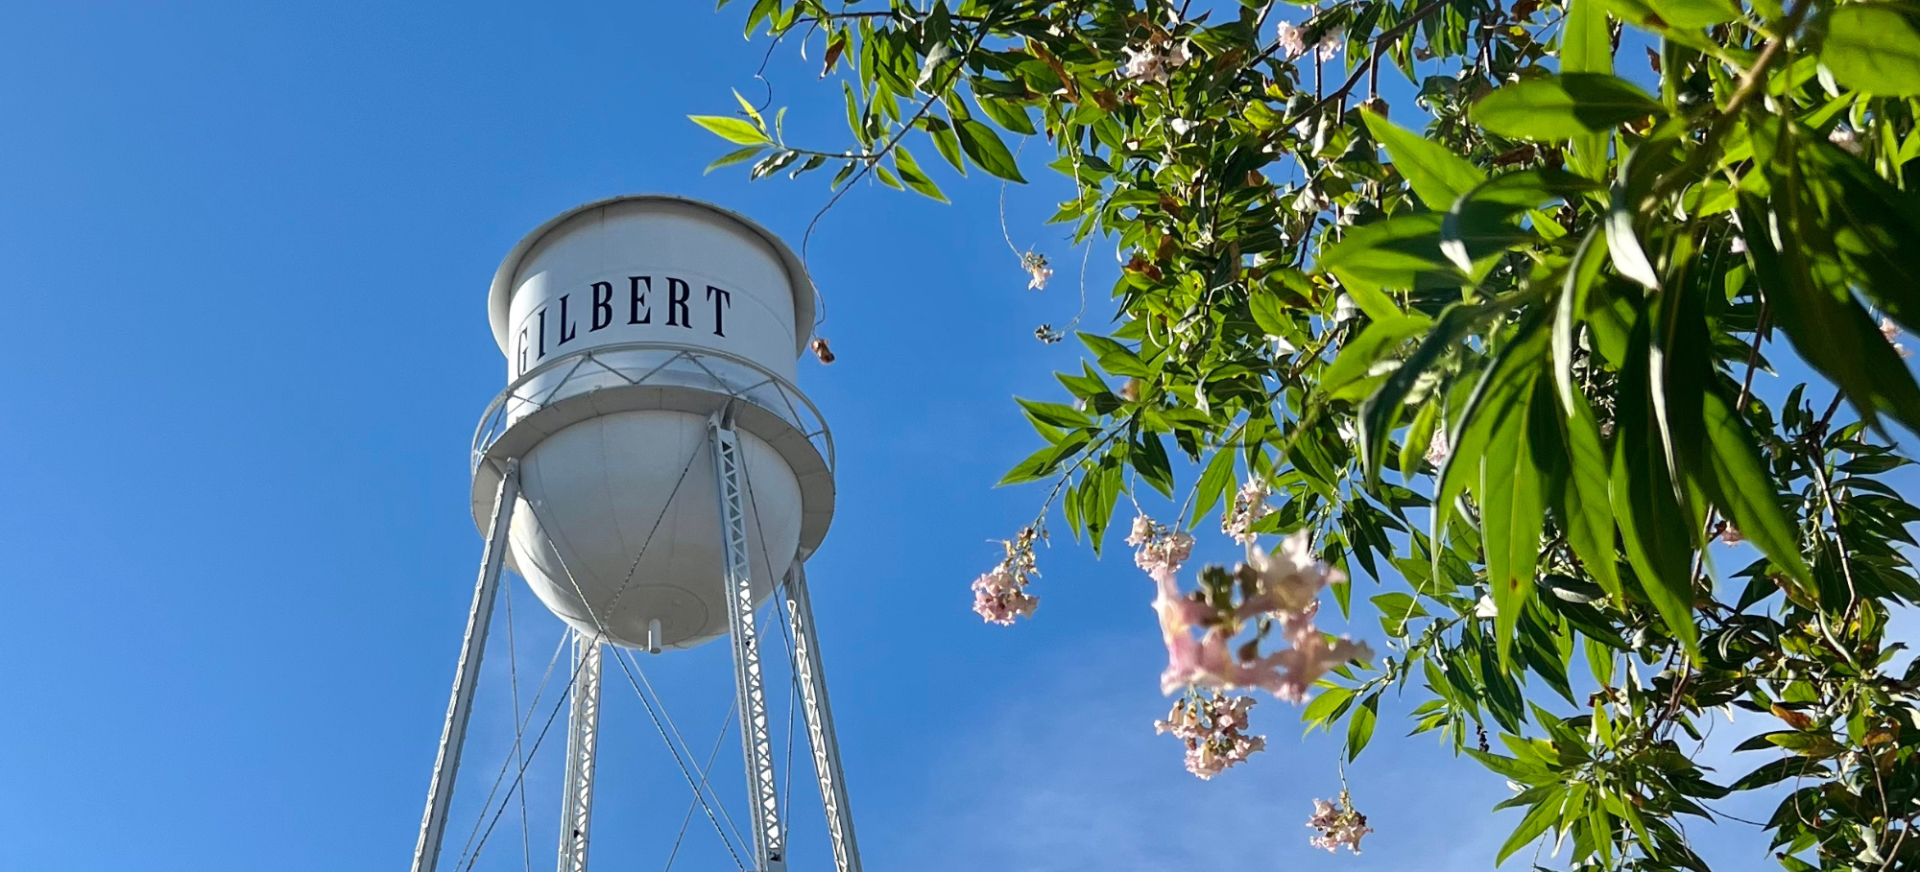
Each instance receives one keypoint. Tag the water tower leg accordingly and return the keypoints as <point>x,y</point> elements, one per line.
<point>466,677</point>
<point>583,742</point>
<point>756,733</point>
<point>813,698</point>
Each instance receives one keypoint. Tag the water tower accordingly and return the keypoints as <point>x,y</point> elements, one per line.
<point>655,476</point>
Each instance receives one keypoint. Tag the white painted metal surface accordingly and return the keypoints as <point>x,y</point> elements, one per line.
<point>466,678</point>
<point>825,744</point>
<point>595,492</point>
<point>583,752</point>
<point>756,726</point>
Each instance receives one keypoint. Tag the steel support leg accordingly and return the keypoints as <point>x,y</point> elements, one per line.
<point>583,741</point>
<point>813,698</point>
<point>763,799</point>
<point>466,677</point>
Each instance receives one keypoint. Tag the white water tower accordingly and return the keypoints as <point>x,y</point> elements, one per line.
<point>655,476</point>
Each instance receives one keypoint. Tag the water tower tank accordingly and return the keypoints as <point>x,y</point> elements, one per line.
<point>628,325</point>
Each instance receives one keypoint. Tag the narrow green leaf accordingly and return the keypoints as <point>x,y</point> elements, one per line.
<point>1694,14</point>
<point>985,149</point>
<point>732,129</point>
<point>1436,174</point>
<point>1215,480</point>
<point>1568,311</point>
<point>1653,525</point>
<point>1510,515</point>
<point>1149,458</point>
<point>1400,252</point>
<point>1588,513</point>
<point>1055,414</point>
<point>1379,412</point>
<point>1044,462</point>
<point>1114,357</point>
<point>1587,45</point>
<point>1746,491</point>
<point>911,175</point>
<point>1360,725</point>
<point>1874,47</point>
<point>733,157</point>
<point>1563,107</point>
<point>1628,257</point>
<point>1545,813</point>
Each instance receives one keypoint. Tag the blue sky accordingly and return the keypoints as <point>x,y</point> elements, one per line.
<point>248,248</point>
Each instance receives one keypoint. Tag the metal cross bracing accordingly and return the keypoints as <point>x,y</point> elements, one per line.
<point>583,740</point>
<point>763,797</point>
<point>716,373</point>
<point>466,678</point>
<point>769,842</point>
<point>808,674</point>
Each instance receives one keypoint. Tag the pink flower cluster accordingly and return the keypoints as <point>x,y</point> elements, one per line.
<point>1249,505</point>
<point>1292,40</point>
<point>1339,824</point>
<point>1158,546</point>
<point>1155,60</point>
<point>1213,730</point>
<point>1283,586</point>
<point>1001,594</point>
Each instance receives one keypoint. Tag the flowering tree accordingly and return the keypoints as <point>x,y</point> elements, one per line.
<point>1502,366</point>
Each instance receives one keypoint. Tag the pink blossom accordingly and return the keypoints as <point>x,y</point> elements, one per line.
<point>1158,546</point>
<point>1212,729</point>
<point>1037,269</point>
<point>1437,447</point>
<point>1339,824</point>
<point>997,598</point>
<point>1249,506</point>
<point>1330,43</point>
<point>1291,39</point>
<point>1289,580</point>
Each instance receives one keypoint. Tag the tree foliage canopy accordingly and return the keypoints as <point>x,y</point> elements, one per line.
<point>1503,366</point>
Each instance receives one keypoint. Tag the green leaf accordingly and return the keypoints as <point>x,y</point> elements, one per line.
<point>1008,114</point>
<point>1150,460</point>
<point>733,157</point>
<point>1628,257</point>
<point>911,175</point>
<point>1402,252</point>
<point>1746,490</point>
<point>1544,814</point>
<point>1380,412</point>
<point>1360,725</point>
<point>1874,47</point>
<point>984,148</point>
<point>732,129</point>
<point>1326,706</point>
<point>1563,107</point>
<point>1269,313</point>
<point>1588,510</point>
<point>1363,352</point>
<point>1694,14</point>
<point>1055,414</point>
<point>1214,482</point>
<point>1436,174</point>
<point>1654,527</point>
<point>1114,357</point>
<point>1044,462</point>
<point>1568,310</point>
<point>1484,221</point>
<point>946,142</point>
<point>1510,512</point>
<point>1471,428</point>
<point>1587,45</point>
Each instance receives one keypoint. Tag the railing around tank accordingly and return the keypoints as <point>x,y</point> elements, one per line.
<point>518,401</point>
